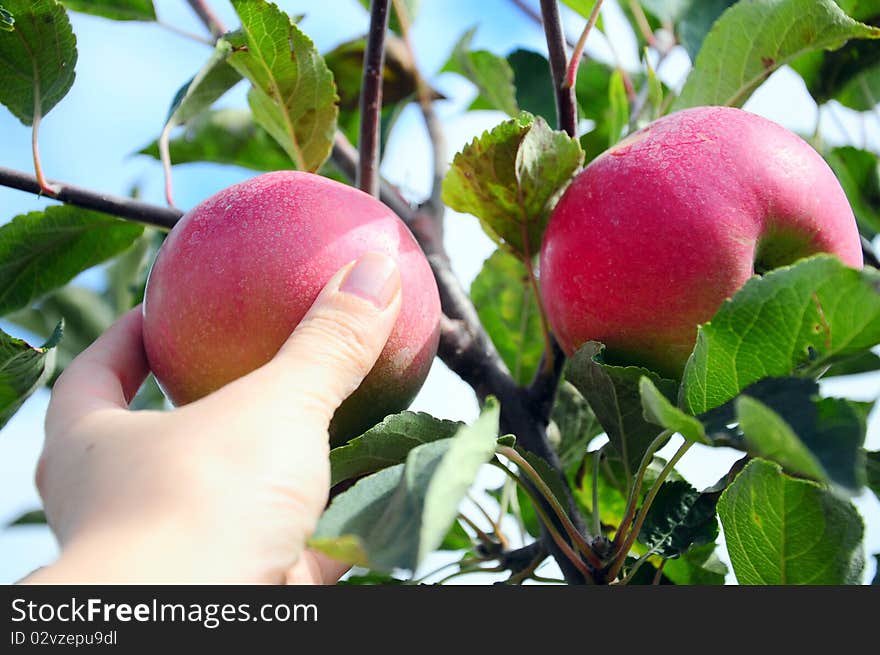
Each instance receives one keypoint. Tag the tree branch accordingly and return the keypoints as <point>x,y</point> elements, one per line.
<point>371,99</point>
<point>208,17</point>
<point>566,109</point>
<point>133,210</point>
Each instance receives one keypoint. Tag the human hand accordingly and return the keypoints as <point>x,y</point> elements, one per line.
<point>226,489</point>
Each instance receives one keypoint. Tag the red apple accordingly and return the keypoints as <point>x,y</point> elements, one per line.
<point>653,235</point>
<point>238,273</point>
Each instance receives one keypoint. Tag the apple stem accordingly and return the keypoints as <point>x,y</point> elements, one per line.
<point>371,98</point>
<point>577,55</point>
<point>642,22</point>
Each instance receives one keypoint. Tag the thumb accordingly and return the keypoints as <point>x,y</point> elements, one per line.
<point>340,338</point>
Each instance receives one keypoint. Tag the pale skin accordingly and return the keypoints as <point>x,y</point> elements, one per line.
<point>224,490</point>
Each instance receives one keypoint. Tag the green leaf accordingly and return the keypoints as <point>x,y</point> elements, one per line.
<point>371,578</point>
<point>36,517</point>
<point>695,20</point>
<point>851,74</point>
<point>613,394</point>
<point>780,530</point>
<point>115,9</point>
<point>7,20</point>
<point>506,304</point>
<point>491,74</point>
<point>212,81</point>
<point>394,518</point>
<point>679,517</point>
<point>23,370</point>
<point>658,410</point>
<point>42,251</point>
<point>293,95</point>
<point>37,58</point>
<point>387,444</point>
<point>785,420</point>
<point>872,465</point>
<point>226,136</point>
<point>456,539</point>
<point>753,39</point>
<point>534,84</point>
<point>618,104</point>
<point>859,175</point>
<point>86,316</point>
<point>399,80</point>
<point>127,274</point>
<point>698,566</point>
<point>796,319</point>
<point>510,178</point>
<point>576,423</point>
<point>876,580</point>
<point>771,437</point>
<point>865,362</point>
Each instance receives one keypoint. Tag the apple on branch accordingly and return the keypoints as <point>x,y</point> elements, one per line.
<point>657,232</point>
<point>239,271</point>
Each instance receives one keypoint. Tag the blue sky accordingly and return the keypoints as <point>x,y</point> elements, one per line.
<point>127,74</point>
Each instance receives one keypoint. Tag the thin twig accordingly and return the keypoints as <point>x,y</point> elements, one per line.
<point>371,98</point>
<point>208,17</point>
<point>577,55</point>
<point>133,210</point>
<point>646,506</point>
<point>576,537</point>
<point>642,22</point>
<point>632,502</point>
<point>566,109</point>
<point>567,551</point>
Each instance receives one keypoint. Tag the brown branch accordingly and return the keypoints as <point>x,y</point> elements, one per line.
<point>208,17</point>
<point>371,99</point>
<point>566,109</point>
<point>133,210</point>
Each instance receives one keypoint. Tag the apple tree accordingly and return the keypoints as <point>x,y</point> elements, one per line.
<point>575,430</point>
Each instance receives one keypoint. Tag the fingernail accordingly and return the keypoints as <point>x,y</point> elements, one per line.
<point>374,278</point>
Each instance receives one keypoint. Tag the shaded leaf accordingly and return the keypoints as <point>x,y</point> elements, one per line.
<point>86,316</point>
<point>576,423</point>
<point>794,320</point>
<point>534,84</point>
<point>780,530</point>
<point>859,175</point>
<point>613,394</point>
<point>751,40</point>
<point>23,370</point>
<point>387,444</point>
<point>293,95</point>
<point>510,178</point>
<point>36,517</point>
<point>42,251</point>
<point>679,517</point>
<point>37,58</point>
<point>506,304</point>
<point>872,464</point>
<point>456,539</point>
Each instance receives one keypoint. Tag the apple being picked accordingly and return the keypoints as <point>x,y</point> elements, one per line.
<point>238,273</point>
<point>651,238</point>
